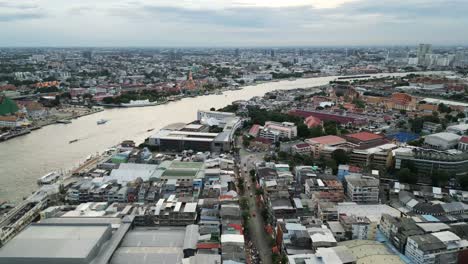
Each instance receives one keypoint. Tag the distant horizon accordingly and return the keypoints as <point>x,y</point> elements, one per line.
<point>234,47</point>
<point>232,23</point>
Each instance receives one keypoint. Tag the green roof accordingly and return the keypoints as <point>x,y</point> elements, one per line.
<point>7,106</point>
<point>182,169</point>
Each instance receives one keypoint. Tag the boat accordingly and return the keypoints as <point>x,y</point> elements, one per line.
<point>64,121</point>
<point>149,130</point>
<point>139,103</point>
<point>102,121</point>
<point>73,141</point>
<point>49,178</point>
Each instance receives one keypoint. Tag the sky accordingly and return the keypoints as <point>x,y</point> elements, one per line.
<point>232,23</point>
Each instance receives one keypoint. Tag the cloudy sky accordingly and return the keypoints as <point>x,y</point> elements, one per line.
<point>232,22</point>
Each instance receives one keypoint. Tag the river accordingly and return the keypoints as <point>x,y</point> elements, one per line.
<point>26,158</point>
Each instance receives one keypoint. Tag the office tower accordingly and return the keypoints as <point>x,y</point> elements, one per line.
<point>423,50</point>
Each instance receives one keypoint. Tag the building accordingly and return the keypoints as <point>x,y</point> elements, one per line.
<point>318,143</point>
<point>430,127</point>
<point>226,120</point>
<point>178,141</point>
<point>442,141</point>
<point>423,51</point>
<point>369,251</point>
<point>460,129</point>
<point>328,189</point>
<point>9,121</point>
<point>426,161</point>
<point>365,140</point>
<point>56,244</point>
<point>357,227</point>
<point>145,246</point>
<point>275,130</point>
<point>439,247</point>
<point>362,189</point>
<point>379,157</point>
<point>463,144</point>
<point>402,101</point>
<point>335,255</point>
<point>312,121</point>
<point>301,148</point>
<point>331,116</point>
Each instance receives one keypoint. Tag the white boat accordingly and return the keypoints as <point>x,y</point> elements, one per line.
<point>101,121</point>
<point>49,178</point>
<point>139,103</point>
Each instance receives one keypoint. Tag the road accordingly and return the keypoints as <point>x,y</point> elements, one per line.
<point>256,224</point>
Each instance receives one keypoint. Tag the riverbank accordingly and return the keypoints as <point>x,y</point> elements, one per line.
<point>26,158</point>
<point>61,118</point>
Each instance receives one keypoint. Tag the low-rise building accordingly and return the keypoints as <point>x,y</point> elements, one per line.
<point>275,130</point>
<point>442,141</point>
<point>362,189</point>
<point>439,247</point>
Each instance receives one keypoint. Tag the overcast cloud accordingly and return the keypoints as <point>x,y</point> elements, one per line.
<point>232,22</point>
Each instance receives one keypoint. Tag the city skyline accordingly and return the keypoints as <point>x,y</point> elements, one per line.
<point>240,23</point>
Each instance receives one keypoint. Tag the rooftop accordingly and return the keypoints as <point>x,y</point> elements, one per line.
<point>371,211</point>
<point>142,246</point>
<point>52,242</point>
<point>326,140</point>
<point>369,252</point>
<point>364,136</point>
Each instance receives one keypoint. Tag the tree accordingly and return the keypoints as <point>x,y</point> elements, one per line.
<point>359,103</point>
<point>332,165</point>
<point>316,131</point>
<point>303,131</point>
<point>440,178</point>
<point>331,127</point>
<point>405,175</point>
<point>340,156</point>
<point>212,109</point>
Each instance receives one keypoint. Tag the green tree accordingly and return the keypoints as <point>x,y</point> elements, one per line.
<point>440,178</point>
<point>303,131</point>
<point>316,131</point>
<point>330,128</point>
<point>405,175</point>
<point>340,156</point>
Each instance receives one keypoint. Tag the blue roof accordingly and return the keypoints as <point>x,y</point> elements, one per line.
<point>403,136</point>
<point>430,218</point>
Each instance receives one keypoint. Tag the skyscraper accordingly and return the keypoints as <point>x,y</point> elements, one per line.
<point>237,53</point>
<point>423,50</point>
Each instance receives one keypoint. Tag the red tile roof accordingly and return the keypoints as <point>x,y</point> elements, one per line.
<point>327,140</point>
<point>263,140</point>
<point>312,121</point>
<point>464,139</point>
<point>364,136</point>
<point>302,145</point>
<point>208,245</point>
<point>254,130</point>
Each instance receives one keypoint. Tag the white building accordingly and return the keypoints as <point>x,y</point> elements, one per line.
<point>439,247</point>
<point>275,130</point>
<point>442,141</point>
<point>362,189</point>
<point>458,129</point>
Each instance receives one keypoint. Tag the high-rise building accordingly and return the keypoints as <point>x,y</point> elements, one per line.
<point>272,53</point>
<point>237,53</point>
<point>423,50</point>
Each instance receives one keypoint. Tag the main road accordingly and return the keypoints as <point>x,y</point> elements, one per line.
<point>26,158</point>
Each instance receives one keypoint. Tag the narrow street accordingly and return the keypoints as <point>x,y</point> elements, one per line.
<point>256,224</point>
